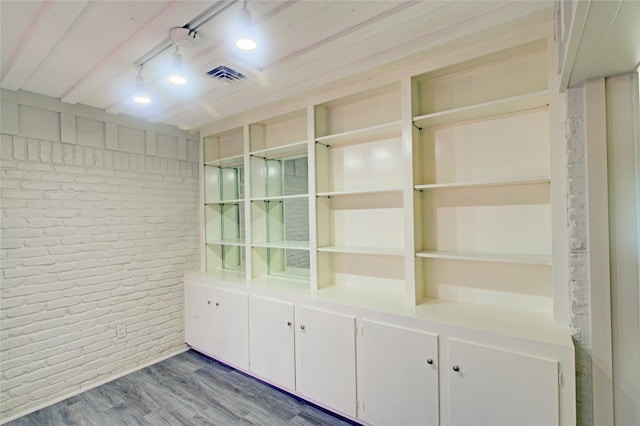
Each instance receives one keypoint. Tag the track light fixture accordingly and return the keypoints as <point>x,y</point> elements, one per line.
<point>177,74</point>
<point>246,38</point>
<point>140,95</point>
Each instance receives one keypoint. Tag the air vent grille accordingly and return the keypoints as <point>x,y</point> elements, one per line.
<point>227,75</point>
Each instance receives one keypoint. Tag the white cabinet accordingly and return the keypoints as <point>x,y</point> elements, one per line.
<point>490,386</point>
<point>272,336</point>
<point>427,200</point>
<point>232,327</point>
<point>199,316</point>
<point>326,358</point>
<point>399,383</point>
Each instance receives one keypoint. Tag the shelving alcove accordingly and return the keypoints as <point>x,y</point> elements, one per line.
<point>405,224</point>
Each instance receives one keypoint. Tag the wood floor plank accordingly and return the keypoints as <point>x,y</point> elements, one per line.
<point>188,389</point>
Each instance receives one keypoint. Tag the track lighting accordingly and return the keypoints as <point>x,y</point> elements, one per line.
<point>177,74</point>
<point>246,38</point>
<point>140,95</point>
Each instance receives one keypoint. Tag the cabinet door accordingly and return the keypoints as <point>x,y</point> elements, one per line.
<point>489,386</point>
<point>271,345</point>
<point>199,316</point>
<point>326,358</point>
<point>232,327</point>
<point>399,376</point>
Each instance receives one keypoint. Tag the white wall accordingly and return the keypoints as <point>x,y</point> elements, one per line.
<point>623,155</point>
<point>99,224</point>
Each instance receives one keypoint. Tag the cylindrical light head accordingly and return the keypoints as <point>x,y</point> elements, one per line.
<point>246,38</point>
<point>141,95</point>
<point>177,75</point>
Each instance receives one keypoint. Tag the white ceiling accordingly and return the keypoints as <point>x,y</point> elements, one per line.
<point>84,51</point>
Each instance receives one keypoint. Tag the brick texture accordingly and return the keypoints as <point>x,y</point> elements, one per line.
<point>578,271</point>
<point>92,240</point>
<point>296,212</point>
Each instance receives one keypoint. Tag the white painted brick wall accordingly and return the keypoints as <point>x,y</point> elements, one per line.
<point>91,239</point>
<point>578,271</point>
<point>296,181</point>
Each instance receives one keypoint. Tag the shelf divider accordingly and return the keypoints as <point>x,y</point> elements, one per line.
<point>484,110</point>
<point>479,184</point>
<point>358,192</point>
<point>366,134</point>
<point>285,244</point>
<point>526,259</point>
<point>235,160</point>
<point>383,251</point>
<point>239,243</point>
<point>282,151</point>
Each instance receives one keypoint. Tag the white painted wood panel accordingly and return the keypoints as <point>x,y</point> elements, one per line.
<point>503,79</point>
<point>498,387</point>
<point>224,145</point>
<point>278,132</point>
<point>199,316</point>
<point>399,375</point>
<point>232,327</point>
<point>326,358</point>
<point>373,165</point>
<point>488,220</point>
<point>505,147</point>
<point>359,111</point>
<point>271,348</point>
<point>362,220</point>
<point>516,286</point>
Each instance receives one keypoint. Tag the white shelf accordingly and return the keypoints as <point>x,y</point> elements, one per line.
<point>281,197</point>
<point>367,134</point>
<point>498,182</point>
<point>488,257</point>
<point>220,202</point>
<point>240,243</point>
<point>484,110</point>
<point>382,251</point>
<point>288,150</point>
<point>285,244</point>
<point>236,160</point>
<point>361,192</point>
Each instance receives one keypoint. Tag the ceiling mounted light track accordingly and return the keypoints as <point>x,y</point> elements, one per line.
<point>184,37</point>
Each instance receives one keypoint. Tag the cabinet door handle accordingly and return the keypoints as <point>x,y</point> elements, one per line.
<point>429,361</point>
<point>217,304</point>
<point>289,323</point>
<point>208,302</point>
<point>455,368</point>
<point>302,327</point>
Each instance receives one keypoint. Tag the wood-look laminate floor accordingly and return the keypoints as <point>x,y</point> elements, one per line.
<point>188,389</point>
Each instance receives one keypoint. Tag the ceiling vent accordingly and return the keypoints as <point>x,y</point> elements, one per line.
<point>226,75</point>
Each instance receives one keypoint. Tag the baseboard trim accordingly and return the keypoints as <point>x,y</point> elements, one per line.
<point>185,348</point>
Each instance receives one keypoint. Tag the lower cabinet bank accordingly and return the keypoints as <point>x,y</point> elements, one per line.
<point>435,364</point>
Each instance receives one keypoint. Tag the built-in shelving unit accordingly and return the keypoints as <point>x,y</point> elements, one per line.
<point>280,197</point>
<point>448,201</point>
<point>224,205</point>
<point>418,213</point>
<point>481,176</point>
<point>359,206</point>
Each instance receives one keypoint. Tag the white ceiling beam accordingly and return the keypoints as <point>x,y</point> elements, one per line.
<point>460,23</point>
<point>131,49</point>
<point>49,26</point>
